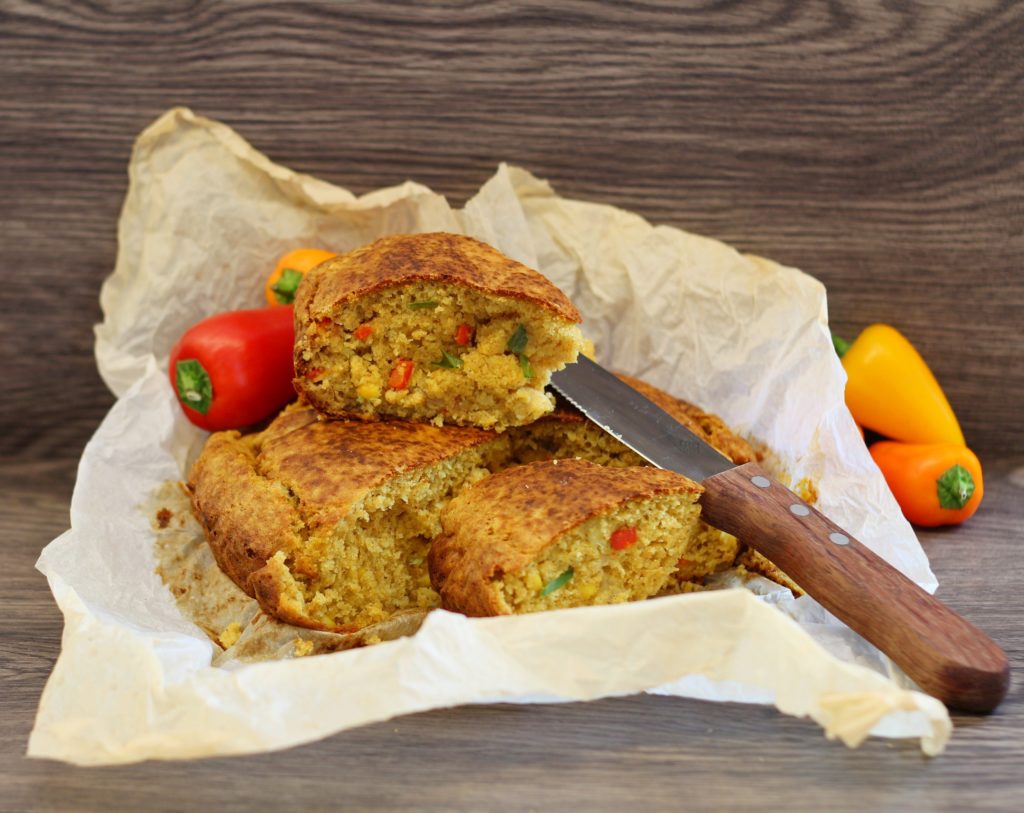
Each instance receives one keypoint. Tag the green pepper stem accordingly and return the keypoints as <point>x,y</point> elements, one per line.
<point>840,344</point>
<point>955,487</point>
<point>195,390</point>
<point>286,286</point>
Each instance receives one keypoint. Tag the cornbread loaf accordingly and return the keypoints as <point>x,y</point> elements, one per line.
<point>431,327</point>
<point>562,533</point>
<point>566,433</point>
<point>327,523</point>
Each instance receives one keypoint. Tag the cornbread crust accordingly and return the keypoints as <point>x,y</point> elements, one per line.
<point>500,525</point>
<point>430,257</point>
<point>568,423</point>
<point>704,424</point>
<point>398,306</point>
<point>270,502</point>
<point>755,562</point>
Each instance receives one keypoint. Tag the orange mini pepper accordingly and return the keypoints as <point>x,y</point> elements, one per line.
<point>934,483</point>
<point>287,274</point>
<point>890,389</point>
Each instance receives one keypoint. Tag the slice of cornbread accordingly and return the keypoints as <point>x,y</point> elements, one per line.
<point>562,533</point>
<point>327,523</point>
<point>431,327</point>
<point>566,433</point>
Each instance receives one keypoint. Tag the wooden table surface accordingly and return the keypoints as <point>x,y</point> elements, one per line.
<point>877,145</point>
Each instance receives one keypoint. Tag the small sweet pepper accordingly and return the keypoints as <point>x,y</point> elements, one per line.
<point>934,483</point>
<point>891,390</point>
<point>283,282</point>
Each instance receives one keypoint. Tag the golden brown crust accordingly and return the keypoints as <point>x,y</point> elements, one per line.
<point>329,465</point>
<point>704,424</point>
<point>756,562</point>
<point>259,494</point>
<point>244,517</point>
<point>432,257</point>
<point>519,512</point>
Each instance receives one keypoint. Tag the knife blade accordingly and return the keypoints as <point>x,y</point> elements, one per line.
<point>946,655</point>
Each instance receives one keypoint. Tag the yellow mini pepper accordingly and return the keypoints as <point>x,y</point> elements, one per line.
<point>891,390</point>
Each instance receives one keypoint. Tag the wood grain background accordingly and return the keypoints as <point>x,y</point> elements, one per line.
<point>876,145</point>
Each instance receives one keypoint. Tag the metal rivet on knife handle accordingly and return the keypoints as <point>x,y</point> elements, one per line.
<point>800,509</point>
<point>838,538</point>
<point>761,482</point>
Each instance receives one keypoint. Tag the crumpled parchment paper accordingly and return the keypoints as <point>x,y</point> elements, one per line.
<point>739,335</point>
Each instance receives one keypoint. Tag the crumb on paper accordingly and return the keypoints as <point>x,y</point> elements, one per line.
<point>229,635</point>
<point>303,647</point>
<point>164,517</point>
<point>751,564</point>
<point>806,490</point>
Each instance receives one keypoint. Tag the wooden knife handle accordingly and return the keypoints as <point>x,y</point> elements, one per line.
<point>946,655</point>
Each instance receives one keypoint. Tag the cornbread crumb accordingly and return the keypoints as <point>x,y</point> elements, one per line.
<point>229,635</point>
<point>303,647</point>
<point>755,562</point>
<point>806,490</point>
<point>602,575</point>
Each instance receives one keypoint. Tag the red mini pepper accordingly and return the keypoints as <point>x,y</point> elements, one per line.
<point>463,334</point>
<point>234,369</point>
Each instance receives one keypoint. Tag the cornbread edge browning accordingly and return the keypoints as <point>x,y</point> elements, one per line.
<point>429,257</point>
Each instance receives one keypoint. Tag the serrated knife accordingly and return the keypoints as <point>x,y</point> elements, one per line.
<point>946,655</point>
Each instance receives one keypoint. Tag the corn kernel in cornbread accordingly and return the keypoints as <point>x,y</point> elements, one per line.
<point>562,534</point>
<point>431,327</point>
<point>327,523</point>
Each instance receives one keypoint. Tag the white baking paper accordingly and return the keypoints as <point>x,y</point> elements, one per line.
<point>204,218</point>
